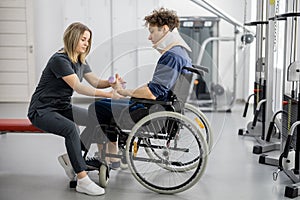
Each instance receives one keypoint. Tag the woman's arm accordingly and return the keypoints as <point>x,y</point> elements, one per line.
<point>101,84</point>
<point>73,81</point>
<point>92,79</point>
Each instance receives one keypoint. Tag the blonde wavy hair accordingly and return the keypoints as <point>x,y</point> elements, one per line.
<point>71,38</point>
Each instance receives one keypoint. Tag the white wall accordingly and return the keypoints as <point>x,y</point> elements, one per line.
<point>48,29</point>
<point>119,38</point>
<point>121,22</point>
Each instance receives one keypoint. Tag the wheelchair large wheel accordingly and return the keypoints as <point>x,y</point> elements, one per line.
<point>178,143</point>
<point>203,124</point>
<point>201,120</point>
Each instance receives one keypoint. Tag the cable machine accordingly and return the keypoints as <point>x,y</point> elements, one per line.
<point>291,97</point>
<point>263,84</point>
<point>196,30</point>
<point>217,97</point>
<point>274,83</point>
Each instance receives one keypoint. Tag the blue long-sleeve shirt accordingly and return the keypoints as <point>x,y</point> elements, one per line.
<point>168,69</point>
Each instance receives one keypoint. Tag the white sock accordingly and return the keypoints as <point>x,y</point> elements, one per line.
<point>84,181</point>
<point>87,186</point>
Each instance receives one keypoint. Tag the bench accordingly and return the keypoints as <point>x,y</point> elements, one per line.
<point>17,125</point>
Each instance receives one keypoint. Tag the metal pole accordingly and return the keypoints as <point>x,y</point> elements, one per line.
<point>208,40</point>
<point>219,13</point>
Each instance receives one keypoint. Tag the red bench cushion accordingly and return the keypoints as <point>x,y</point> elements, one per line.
<point>17,125</point>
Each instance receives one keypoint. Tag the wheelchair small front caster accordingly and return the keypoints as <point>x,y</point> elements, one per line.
<point>123,161</point>
<point>103,175</point>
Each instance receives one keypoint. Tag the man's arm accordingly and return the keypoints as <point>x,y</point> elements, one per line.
<point>141,92</point>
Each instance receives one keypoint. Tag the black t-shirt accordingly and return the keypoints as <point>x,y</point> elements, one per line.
<point>52,92</point>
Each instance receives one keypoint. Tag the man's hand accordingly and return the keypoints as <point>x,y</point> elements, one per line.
<point>125,92</point>
<point>119,83</point>
<point>116,95</point>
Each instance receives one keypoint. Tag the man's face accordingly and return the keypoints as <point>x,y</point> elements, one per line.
<point>156,33</point>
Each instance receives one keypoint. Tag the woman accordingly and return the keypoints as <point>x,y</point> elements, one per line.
<point>51,109</point>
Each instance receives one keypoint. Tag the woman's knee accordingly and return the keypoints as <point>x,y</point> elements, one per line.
<point>70,131</point>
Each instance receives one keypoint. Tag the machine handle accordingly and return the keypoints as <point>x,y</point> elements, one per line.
<point>255,118</point>
<point>246,109</point>
<point>257,111</point>
<point>287,146</point>
<point>247,105</point>
<point>270,129</point>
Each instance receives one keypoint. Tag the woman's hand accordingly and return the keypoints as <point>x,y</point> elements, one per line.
<point>118,84</point>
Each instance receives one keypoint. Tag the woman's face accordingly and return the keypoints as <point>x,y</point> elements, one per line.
<point>83,42</point>
<point>156,33</point>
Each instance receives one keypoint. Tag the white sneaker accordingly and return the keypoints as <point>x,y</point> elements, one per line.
<point>90,188</point>
<point>66,164</point>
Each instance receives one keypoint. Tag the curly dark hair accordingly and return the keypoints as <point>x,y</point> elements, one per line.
<point>163,17</point>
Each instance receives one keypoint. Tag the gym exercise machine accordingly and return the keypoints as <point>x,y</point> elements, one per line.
<point>274,109</point>
<point>256,127</point>
<point>195,31</point>
<point>263,95</point>
<point>217,96</point>
<point>291,98</point>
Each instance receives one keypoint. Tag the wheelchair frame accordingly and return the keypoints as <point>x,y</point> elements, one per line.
<point>166,151</point>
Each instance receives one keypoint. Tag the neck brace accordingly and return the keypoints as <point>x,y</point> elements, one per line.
<point>170,40</point>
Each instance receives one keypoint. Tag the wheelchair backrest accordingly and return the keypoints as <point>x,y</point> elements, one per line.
<point>181,89</point>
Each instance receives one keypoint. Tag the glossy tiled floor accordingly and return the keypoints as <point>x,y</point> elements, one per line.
<point>29,168</point>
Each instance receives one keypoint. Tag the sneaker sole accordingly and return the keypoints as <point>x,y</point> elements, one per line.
<point>78,189</point>
<point>69,171</point>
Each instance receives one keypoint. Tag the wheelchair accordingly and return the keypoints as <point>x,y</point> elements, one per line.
<point>165,150</point>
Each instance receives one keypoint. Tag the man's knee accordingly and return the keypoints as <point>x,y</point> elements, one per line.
<point>113,137</point>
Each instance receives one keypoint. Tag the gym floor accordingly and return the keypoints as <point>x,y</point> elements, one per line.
<point>29,168</point>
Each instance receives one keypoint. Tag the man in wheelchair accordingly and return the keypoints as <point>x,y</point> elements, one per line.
<point>162,25</point>
<point>165,151</point>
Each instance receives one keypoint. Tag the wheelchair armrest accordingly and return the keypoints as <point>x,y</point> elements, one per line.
<point>150,101</point>
<point>200,70</point>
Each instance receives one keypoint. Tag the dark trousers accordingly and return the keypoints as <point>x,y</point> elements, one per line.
<point>110,111</point>
<point>65,123</point>
<point>106,112</point>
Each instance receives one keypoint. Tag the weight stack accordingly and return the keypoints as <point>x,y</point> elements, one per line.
<point>288,119</point>
<point>259,94</point>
